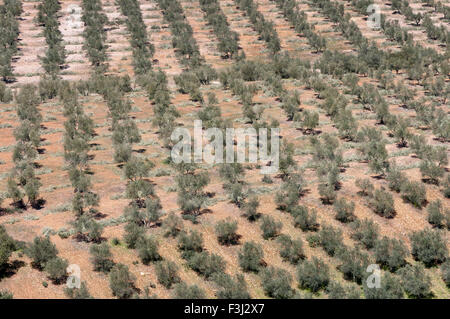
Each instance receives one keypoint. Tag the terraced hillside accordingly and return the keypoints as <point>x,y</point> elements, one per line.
<point>92,90</point>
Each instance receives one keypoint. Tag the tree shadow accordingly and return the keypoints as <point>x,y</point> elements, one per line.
<point>99,215</point>
<point>6,211</point>
<point>59,281</point>
<point>10,269</point>
<point>37,165</point>
<point>39,204</point>
<point>79,237</point>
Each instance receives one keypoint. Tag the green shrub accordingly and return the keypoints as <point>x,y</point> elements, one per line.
<point>167,273</point>
<point>446,188</point>
<point>289,194</point>
<point>313,240</point>
<point>391,253</point>
<point>173,225</point>
<point>428,247</point>
<point>415,281</point>
<point>373,148</point>
<point>101,257</point>
<point>391,288</point>
<point>344,210</point>
<point>226,232</point>
<point>414,192</point>
<point>78,293</point>
<point>5,294</point>
<point>327,193</point>
<point>309,121</point>
<point>437,215</point>
<point>445,272</point>
<point>236,193</point>
<point>251,209</point>
<point>5,93</point>
<point>354,264</point>
<point>122,282</point>
<point>231,288</point>
<point>190,243</point>
<point>401,131</point>
<point>365,185</point>
<point>133,233</point>
<point>276,283</point>
<point>270,227</point>
<point>49,87</point>
<point>41,251</point>
<point>291,250</point>
<point>395,178</point>
<point>383,203</point>
<point>366,232</point>
<point>7,246</point>
<point>138,189</point>
<point>56,269</point>
<point>206,264</point>
<point>331,239</point>
<point>306,221</point>
<point>337,291</point>
<point>88,229</point>
<point>433,164</point>
<point>147,248</point>
<point>190,192</point>
<point>313,275</point>
<point>183,291</point>
<point>251,257</point>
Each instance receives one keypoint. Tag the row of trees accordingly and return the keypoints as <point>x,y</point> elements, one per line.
<point>272,73</point>
<point>339,64</point>
<point>55,54</point>
<point>143,50</point>
<point>328,157</point>
<point>23,182</point>
<point>368,52</point>
<point>433,32</point>
<point>410,57</point>
<point>190,187</point>
<point>156,85</point>
<point>144,209</point>
<point>265,28</point>
<point>182,34</point>
<point>79,130</point>
<point>285,66</point>
<point>211,266</point>
<point>438,7</point>
<point>94,33</point>
<point>299,21</point>
<point>234,78</point>
<point>428,247</point>
<point>10,10</point>
<point>375,153</point>
<point>124,128</point>
<point>197,72</point>
<point>413,56</point>
<point>228,39</point>
<point>403,7</point>
<point>334,102</point>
